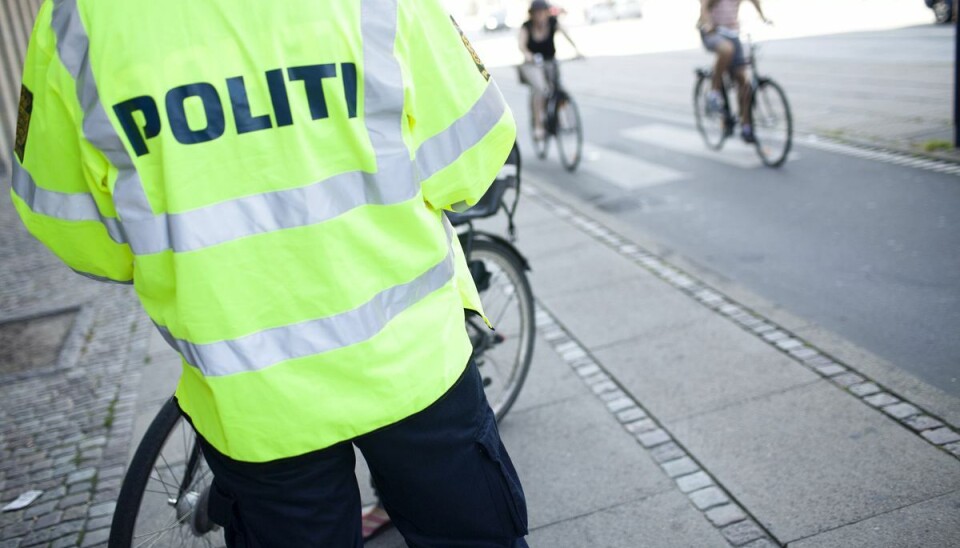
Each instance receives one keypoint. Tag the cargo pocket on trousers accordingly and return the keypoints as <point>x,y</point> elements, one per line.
<point>222,510</point>
<point>502,477</point>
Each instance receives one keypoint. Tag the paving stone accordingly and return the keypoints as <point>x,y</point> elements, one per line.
<point>55,532</point>
<point>16,529</point>
<point>775,336</point>
<point>98,523</point>
<point>901,410</point>
<point>597,378</point>
<point>819,361</point>
<point>574,354</point>
<point>75,512</point>
<point>606,386</point>
<point>804,353</point>
<point>680,467</point>
<point>73,500</point>
<point>749,321</point>
<point>881,400</point>
<point>922,422</point>
<point>566,347</point>
<point>93,538</point>
<point>81,475</point>
<point>620,404</point>
<point>761,543</point>
<point>666,452</point>
<point>80,487</point>
<point>724,515</point>
<point>743,532</point>
<point>641,426</point>
<point>47,520</point>
<point>764,327</point>
<point>831,370</point>
<point>708,497</point>
<point>613,395</point>
<point>847,379</point>
<point>941,436</point>
<point>864,389</point>
<point>953,448</point>
<point>630,415</point>
<point>41,508</point>
<point>789,344</point>
<point>104,509</point>
<point>693,482</point>
<point>69,541</point>
<point>588,370</point>
<point>97,441</point>
<point>654,438</point>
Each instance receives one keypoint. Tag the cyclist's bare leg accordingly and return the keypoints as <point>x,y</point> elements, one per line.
<point>539,104</point>
<point>743,91</point>
<point>725,52</point>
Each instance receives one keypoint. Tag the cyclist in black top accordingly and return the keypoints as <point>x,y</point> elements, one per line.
<point>539,54</point>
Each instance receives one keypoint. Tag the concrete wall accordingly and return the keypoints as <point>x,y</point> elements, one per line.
<point>16,22</point>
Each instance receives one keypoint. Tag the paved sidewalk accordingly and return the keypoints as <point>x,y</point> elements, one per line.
<point>72,353</point>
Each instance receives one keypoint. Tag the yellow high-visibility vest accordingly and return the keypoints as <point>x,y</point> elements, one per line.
<point>271,178</point>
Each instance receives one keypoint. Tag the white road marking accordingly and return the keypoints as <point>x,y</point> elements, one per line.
<point>625,171</point>
<point>689,142</point>
<point>801,139</point>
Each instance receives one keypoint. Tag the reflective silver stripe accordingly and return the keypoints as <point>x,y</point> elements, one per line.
<point>78,206</point>
<point>260,213</point>
<point>382,79</point>
<point>272,346</point>
<point>73,47</point>
<point>444,148</point>
<point>101,278</point>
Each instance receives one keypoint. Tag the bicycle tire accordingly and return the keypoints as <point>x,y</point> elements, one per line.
<point>140,473</point>
<point>705,121</point>
<point>772,147</point>
<point>569,163</point>
<point>498,256</point>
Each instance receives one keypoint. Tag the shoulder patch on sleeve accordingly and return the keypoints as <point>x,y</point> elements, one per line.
<point>473,52</point>
<point>23,121</point>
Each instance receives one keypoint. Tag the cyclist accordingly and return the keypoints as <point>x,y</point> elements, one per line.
<point>720,31</point>
<point>270,178</point>
<point>539,54</point>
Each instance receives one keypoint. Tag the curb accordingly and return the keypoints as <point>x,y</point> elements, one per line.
<point>703,491</point>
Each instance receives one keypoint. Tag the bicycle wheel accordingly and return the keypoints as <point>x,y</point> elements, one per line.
<point>503,355</point>
<point>772,123</point>
<point>163,498</point>
<point>569,132</point>
<point>539,144</point>
<point>714,126</point>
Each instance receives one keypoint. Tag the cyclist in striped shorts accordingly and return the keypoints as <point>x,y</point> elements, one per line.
<point>720,31</point>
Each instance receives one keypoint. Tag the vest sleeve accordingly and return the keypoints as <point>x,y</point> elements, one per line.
<point>458,124</point>
<point>60,187</point>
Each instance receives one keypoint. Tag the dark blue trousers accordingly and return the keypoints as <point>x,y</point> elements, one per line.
<point>442,474</point>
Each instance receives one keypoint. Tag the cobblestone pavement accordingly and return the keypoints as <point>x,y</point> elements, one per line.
<point>66,423</point>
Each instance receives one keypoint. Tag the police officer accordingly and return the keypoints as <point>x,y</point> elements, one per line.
<point>271,176</point>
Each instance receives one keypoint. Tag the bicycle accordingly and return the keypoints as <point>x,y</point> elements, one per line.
<point>769,112</point>
<point>562,119</point>
<point>163,498</point>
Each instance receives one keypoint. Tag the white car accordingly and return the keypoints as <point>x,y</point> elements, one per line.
<point>612,9</point>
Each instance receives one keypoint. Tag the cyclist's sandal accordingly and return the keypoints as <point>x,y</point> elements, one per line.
<point>374,521</point>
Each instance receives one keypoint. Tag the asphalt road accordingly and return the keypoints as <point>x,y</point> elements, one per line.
<point>866,249</point>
